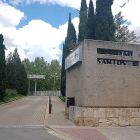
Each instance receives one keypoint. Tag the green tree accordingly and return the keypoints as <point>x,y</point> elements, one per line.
<point>63,73</point>
<point>23,89</point>
<point>38,67</point>
<point>71,37</point>
<point>16,74</point>
<point>55,71</point>
<point>91,22</point>
<point>104,25</point>
<point>41,67</point>
<point>2,68</point>
<point>10,72</point>
<point>69,45</point>
<point>122,33</point>
<point>83,21</point>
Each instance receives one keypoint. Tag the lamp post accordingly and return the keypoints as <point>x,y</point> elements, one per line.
<point>54,80</point>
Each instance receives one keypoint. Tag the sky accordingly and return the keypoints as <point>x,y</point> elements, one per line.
<point>37,28</point>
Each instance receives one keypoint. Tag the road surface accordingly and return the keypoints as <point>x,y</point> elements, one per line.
<point>24,120</point>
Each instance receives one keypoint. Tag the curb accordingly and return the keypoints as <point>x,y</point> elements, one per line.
<point>5,103</point>
<point>46,111</point>
<point>61,100</point>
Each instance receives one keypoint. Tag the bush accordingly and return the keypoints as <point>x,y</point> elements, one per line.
<point>11,92</point>
<point>63,98</point>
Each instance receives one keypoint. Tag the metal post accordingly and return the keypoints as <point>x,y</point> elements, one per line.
<point>35,87</point>
<point>54,83</point>
<point>50,105</point>
<point>29,88</point>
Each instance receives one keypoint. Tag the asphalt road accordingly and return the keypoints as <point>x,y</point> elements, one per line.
<point>24,120</point>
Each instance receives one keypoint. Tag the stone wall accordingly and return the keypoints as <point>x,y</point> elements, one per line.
<point>104,117</point>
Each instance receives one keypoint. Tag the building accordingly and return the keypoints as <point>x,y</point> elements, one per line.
<point>103,84</point>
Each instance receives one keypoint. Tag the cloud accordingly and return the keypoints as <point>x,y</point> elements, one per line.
<point>20,51</point>
<point>9,16</point>
<point>69,3</point>
<point>38,37</point>
<point>130,12</point>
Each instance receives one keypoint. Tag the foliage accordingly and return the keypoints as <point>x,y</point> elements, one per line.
<point>2,69</point>
<point>71,37</point>
<point>11,92</point>
<point>83,21</point>
<point>122,33</point>
<point>13,97</point>
<point>104,25</point>
<point>63,73</point>
<point>16,74</point>
<point>63,98</point>
<point>69,41</point>
<point>91,22</point>
<point>41,67</point>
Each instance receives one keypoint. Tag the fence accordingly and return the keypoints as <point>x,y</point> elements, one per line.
<point>45,93</point>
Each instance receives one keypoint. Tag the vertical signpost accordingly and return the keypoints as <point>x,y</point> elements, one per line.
<point>35,87</point>
<point>34,77</point>
<point>54,81</point>
<point>29,87</point>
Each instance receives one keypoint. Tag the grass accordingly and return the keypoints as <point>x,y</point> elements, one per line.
<point>63,98</point>
<point>7,99</point>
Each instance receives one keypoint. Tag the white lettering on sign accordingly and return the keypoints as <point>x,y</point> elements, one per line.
<point>73,58</point>
<point>36,76</point>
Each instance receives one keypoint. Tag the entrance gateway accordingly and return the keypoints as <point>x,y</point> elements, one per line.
<point>103,84</point>
<point>35,78</point>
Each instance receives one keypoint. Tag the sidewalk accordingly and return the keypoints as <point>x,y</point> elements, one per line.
<point>57,116</point>
<point>59,123</point>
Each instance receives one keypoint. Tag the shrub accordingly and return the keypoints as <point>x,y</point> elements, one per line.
<point>11,92</point>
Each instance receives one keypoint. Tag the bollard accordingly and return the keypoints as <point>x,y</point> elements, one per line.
<point>50,105</point>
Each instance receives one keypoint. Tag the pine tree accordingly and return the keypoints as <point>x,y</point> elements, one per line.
<point>83,21</point>
<point>122,33</point>
<point>10,72</point>
<point>91,22</point>
<point>104,27</point>
<point>16,75</point>
<point>2,69</point>
<point>23,85</point>
<point>70,42</point>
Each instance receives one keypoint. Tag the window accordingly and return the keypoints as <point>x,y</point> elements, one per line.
<point>114,52</point>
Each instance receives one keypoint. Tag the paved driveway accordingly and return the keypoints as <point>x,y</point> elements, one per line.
<point>24,120</point>
<point>28,111</point>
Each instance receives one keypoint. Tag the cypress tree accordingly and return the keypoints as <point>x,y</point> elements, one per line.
<point>83,21</point>
<point>70,41</point>
<point>91,22</point>
<point>2,68</point>
<point>63,74</point>
<point>105,27</point>
<point>71,37</point>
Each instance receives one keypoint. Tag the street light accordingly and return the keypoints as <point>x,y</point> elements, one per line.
<point>54,80</point>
